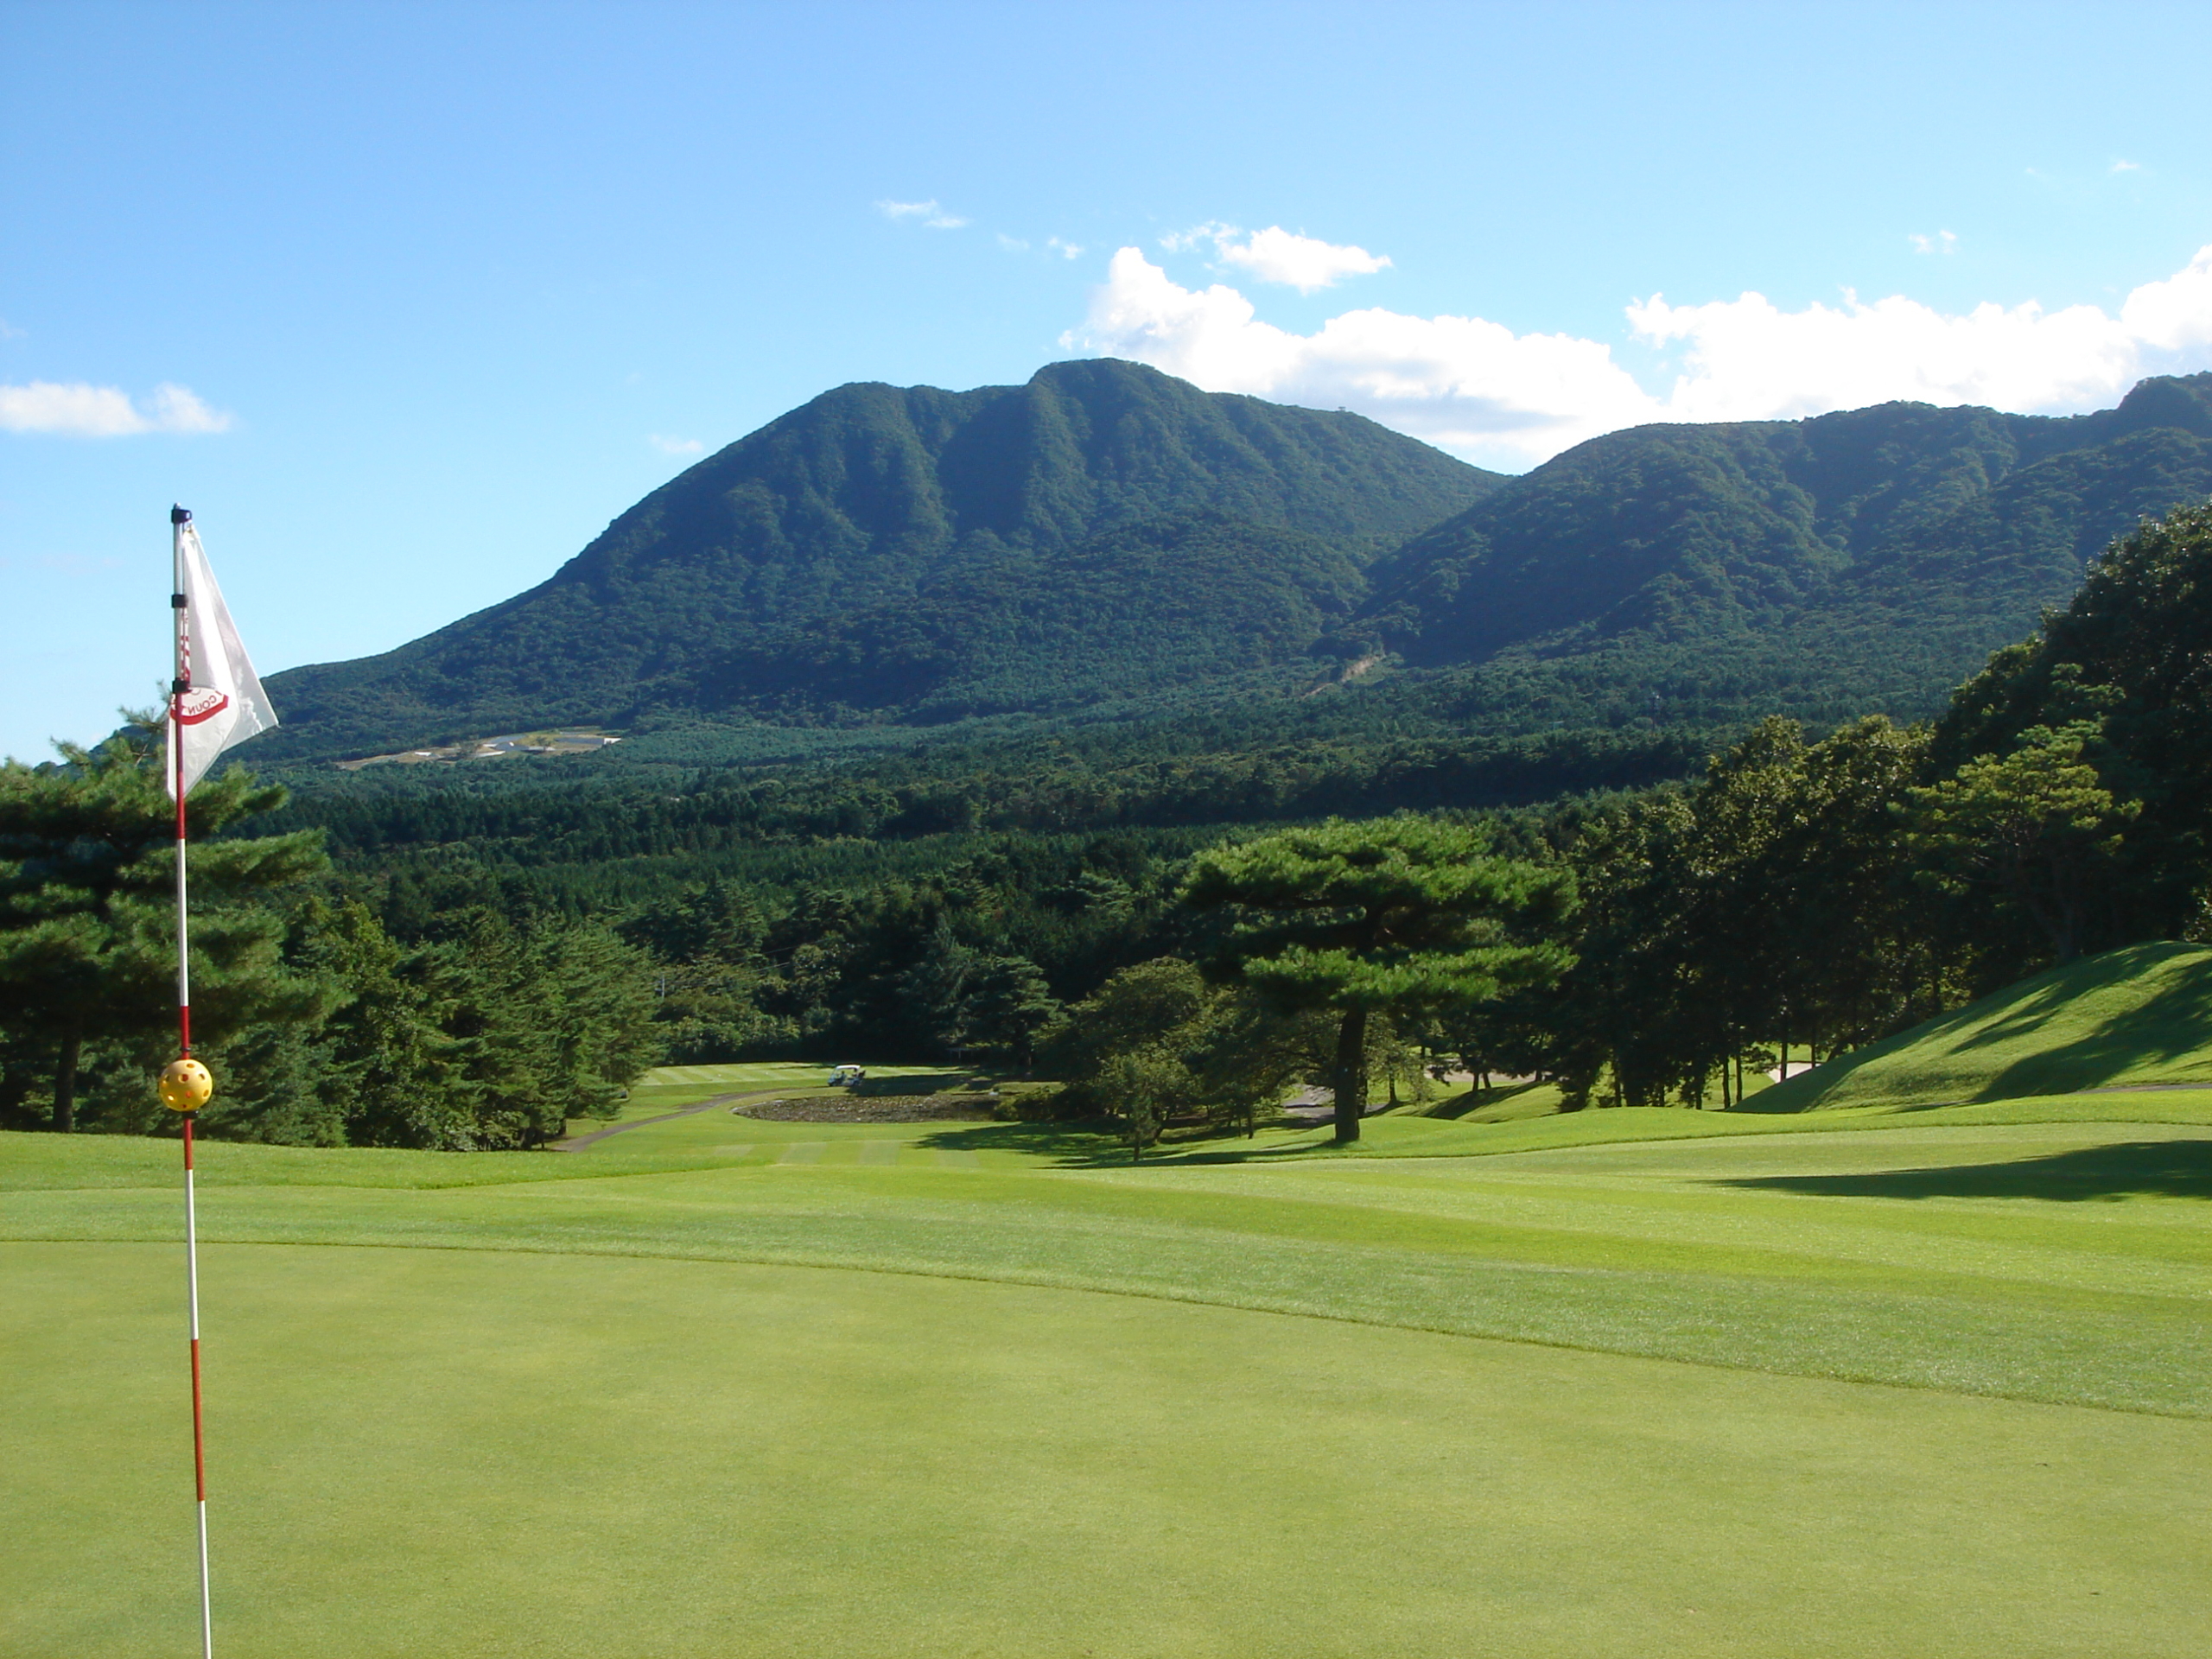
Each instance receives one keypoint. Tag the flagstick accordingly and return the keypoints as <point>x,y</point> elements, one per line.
<point>178,518</point>
<point>198,1455</point>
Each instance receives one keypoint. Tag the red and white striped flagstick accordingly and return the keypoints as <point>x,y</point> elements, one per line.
<point>186,1085</point>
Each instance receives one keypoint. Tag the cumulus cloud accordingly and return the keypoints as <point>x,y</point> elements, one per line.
<point>79,411</point>
<point>1942,242</point>
<point>676,446</point>
<point>1065,250</point>
<point>1463,383</point>
<point>928,214</point>
<point>1275,255</point>
<point>1304,263</point>
<point>1479,389</point>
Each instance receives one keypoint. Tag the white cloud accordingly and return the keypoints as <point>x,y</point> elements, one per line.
<point>1065,250</point>
<point>1304,263</point>
<point>1460,382</point>
<point>1942,242</point>
<point>676,446</point>
<point>79,411</point>
<point>175,408</point>
<point>1477,388</point>
<point>1275,255</point>
<point>1012,244</point>
<point>928,214</point>
<point>1748,359</point>
<point>2127,167</point>
<point>2173,317</point>
<point>1212,231</point>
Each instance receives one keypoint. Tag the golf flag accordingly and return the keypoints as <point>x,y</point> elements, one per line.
<point>219,701</point>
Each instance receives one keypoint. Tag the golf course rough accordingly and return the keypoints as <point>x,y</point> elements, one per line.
<point>2136,1017</point>
<point>1838,1390</point>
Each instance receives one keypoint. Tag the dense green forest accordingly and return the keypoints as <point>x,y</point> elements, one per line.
<point>1094,635</point>
<point>476,964</point>
<point>936,553</point>
<point>886,570</point>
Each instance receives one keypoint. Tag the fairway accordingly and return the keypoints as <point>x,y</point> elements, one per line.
<point>1847,1391</point>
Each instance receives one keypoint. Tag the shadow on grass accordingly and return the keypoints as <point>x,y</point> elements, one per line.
<point>2164,1020</point>
<point>1095,1145</point>
<point>1475,1100</point>
<point>2172,1169</point>
<point>2173,1026</point>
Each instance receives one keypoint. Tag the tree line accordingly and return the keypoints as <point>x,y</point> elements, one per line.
<point>487,1031</point>
<point>1804,895</point>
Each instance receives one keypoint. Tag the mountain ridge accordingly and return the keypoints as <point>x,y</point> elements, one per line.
<point>860,499</point>
<point>911,557</point>
<point>1744,522</point>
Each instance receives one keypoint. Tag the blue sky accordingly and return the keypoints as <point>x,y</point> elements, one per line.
<point>436,291</point>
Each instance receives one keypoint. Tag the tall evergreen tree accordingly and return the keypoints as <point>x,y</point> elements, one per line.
<point>1401,916</point>
<point>2037,825</point>
<point>1005,1004</point>
<point>87,873</point>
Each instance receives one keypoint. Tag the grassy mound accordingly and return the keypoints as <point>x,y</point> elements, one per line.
<point>2139,1016</point>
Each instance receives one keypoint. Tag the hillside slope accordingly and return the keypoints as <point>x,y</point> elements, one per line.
<point>2138,1015</point>
<point>878,545</point>
<point>1106,534</point>
<point>1881,551</point>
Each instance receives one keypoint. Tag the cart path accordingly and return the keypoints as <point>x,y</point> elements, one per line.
<point>577,1143</point>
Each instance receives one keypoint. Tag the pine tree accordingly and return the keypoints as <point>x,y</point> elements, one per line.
<point>87,871</point>
<point>1399,916</point>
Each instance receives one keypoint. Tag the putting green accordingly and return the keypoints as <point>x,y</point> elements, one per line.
<point>693,1404</point>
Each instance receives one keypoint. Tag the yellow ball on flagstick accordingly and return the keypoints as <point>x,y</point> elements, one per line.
<point>186,1086</point>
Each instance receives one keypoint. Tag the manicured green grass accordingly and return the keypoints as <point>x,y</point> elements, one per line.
<point>1633,1383</point>
<point>771,1074</point>
<point>2139,1016</point>
<point>464,1453</point>
<point>670,1088</point>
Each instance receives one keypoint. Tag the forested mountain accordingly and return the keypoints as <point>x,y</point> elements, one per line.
<point>1104,527</point>
<point>910,897</point>
<point>1886,550</point>
<point>1108,538</point>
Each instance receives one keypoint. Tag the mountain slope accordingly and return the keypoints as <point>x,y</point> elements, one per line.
<point>1105,535</point>
<point>1162,602</point>
<point>1966,519</point>
<point>877,523</point>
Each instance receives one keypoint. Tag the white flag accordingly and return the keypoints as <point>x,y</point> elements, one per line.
<point>223,702</point>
